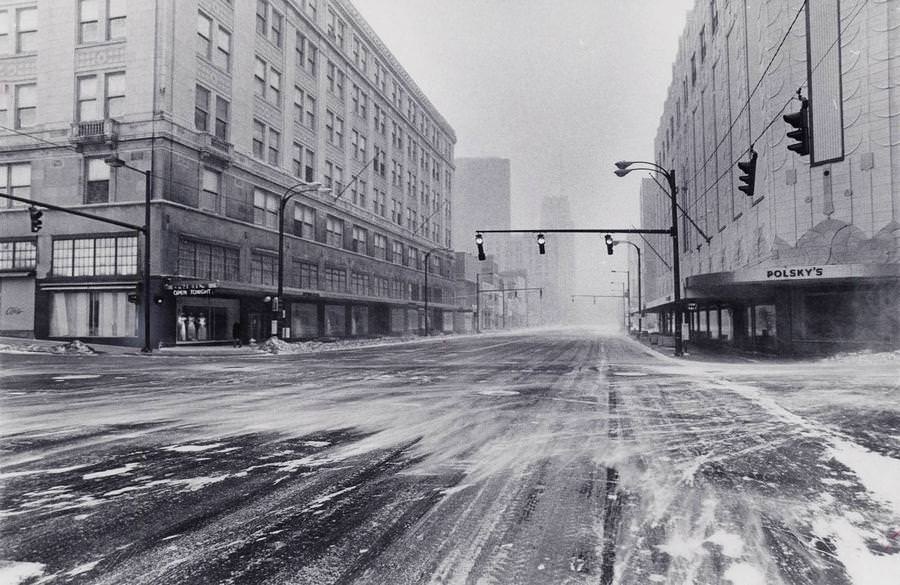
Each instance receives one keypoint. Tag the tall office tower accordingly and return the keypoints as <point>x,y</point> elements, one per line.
<point>555,271</point>
<point>235,123</point>
<point>481,199</point>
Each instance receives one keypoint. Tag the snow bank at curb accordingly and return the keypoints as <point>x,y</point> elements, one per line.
<point>278,346</point>
<point>866,357</point>
<point>73,347</point>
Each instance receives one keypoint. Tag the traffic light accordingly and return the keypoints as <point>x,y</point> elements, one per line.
<point>36,215</point>
<point>479,241</point>
<point>749,177</point>
<point>609,244</point>
<point>541,242</point>
<point>800,121</point>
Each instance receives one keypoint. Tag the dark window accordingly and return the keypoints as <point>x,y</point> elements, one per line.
<point>201,109</point>
<point>207,261</point>
<point>97,185</point>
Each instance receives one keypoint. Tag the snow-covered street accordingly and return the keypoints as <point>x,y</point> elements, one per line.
<point>537,457</point>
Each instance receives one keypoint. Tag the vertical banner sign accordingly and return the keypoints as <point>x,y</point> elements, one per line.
<point>823,59</point>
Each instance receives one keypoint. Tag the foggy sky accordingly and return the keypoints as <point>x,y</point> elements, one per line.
<point>563,88</point>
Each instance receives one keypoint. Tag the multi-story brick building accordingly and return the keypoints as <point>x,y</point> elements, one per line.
<point>227,117</point>
<point>810,261</point>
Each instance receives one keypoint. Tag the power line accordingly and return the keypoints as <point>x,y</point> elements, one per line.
<point>751,94</point>
<point>777,116</point>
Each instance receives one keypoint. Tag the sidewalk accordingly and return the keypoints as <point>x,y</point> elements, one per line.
<point>263,348</point>
<point>48,346</point>
<point>695,353</point>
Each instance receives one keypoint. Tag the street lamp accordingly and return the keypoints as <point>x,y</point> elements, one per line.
<point>302,187</point>
<point>623,167</point>
<point>640,299</point>
<point>427,259</point>
<point>116,162</point>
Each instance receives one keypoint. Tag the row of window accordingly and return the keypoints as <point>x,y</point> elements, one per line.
<point>270,25</point>
<point>98,20</point>
<point>15,179</point>
<point>97,96</point>
<point>94,256</point>
<point>214,262</point>
<point>117,256</point>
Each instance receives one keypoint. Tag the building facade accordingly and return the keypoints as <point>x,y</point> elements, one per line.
<point>233,123</point>
<point>809,262</point>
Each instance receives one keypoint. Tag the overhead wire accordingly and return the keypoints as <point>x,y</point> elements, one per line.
<point>751,94</point>
<point>777,116</point>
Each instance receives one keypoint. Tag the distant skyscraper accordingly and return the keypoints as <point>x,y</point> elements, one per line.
<point>481,198</point>
<point>555,271</point>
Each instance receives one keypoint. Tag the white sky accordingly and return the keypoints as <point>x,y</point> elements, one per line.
<point>563,88</point>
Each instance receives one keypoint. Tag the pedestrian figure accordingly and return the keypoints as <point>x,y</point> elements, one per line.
<point>236,334</point>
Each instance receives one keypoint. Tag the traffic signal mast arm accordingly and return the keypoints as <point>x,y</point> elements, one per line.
<point>666,231</point>
<point>35,203</point>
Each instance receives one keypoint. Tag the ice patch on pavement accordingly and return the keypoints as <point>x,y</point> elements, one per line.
<point>629,374</point>
<point>75,377</point>
<point>84,568</point>
<point>497,393</point>
<point>191,448</point>
<point>878,473</point>
<point>14,572</point>
<point>732,544</point>
<point>745,574</point>
<point>321,501</point>
<point>111,472</point>
<point>57,470</point>
<point>197,483</point>
<point>863,567</point>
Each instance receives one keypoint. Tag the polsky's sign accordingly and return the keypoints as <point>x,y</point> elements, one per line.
<point>814,272</point>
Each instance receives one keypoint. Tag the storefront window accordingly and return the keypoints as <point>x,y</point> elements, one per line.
<point>359,321</point>
<point>304,320</point>
<point>726,324</point>
<point>765,321</point>
<point>205,320</point>
<point>714,324</point>
<point>92,314</point>
<point>335,320</point>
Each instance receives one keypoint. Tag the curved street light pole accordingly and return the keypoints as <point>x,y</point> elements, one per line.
<point>116,162</point>
<point>287,196</point>
<point>623,168</point>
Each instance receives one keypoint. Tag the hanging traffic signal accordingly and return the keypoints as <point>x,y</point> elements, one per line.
<point>479,241</point>
<point>541,242</point>
<point>609,244</point>
<point>36,215</point>
<point>749,176</point>
<point>800,121</point>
